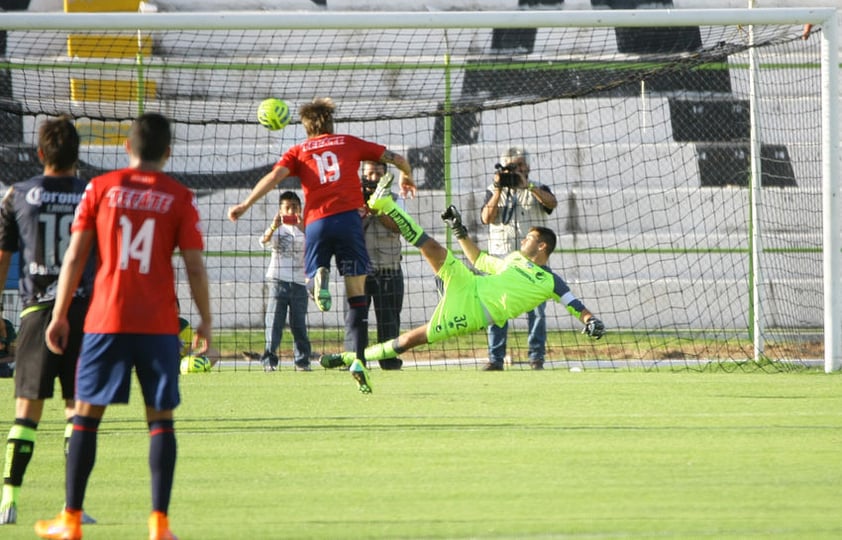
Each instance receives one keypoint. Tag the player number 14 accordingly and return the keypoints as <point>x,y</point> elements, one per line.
<point>136,245</point>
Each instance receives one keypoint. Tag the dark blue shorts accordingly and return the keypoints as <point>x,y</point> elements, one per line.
<point>340,236</point>
<point>105,366</point>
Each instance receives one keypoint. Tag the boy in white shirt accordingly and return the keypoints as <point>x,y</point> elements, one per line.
<point>286,279</point>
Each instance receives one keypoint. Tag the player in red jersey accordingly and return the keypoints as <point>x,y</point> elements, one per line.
<point>328,165</point>
<point>137,217</point>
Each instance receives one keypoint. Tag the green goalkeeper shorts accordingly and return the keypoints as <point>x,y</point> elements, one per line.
<point>459,310</point>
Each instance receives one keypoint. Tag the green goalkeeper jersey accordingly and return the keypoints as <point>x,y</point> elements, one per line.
<point>516,285</point>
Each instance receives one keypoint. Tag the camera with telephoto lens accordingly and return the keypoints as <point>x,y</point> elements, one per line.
<point>508,175</point>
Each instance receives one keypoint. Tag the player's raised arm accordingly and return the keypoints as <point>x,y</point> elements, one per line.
<point>263,186</point>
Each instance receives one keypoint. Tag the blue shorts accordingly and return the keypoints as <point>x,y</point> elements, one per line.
<point>105,366</point>
<point>340,236</point>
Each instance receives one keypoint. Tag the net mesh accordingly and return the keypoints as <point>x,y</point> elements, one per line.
<point>642,134</point>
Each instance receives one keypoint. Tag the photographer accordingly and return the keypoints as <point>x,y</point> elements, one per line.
<point>514,204</point>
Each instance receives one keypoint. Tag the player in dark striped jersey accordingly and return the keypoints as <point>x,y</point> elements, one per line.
<point>35,218</point>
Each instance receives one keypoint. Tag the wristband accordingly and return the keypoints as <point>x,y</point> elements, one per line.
<point>273,228</point>
<point>531,186</point>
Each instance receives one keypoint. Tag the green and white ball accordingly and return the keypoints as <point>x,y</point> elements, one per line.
<point>273,114</point>
<point>195,364</point>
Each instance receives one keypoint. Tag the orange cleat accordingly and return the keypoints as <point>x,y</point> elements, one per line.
<point>159,527</point>
<point>66,526</point>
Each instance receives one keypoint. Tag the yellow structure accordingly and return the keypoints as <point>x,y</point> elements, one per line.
<point>117,46</point>
<point>73,6</point>
<point>108,46</point>
<point>102,133</point>
<point>109,90</point>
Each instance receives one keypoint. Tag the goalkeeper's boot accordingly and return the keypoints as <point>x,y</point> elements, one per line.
<point>382,203</point>
<point>159,527</point>
<point>362,376</point>
<point>330,361</point>
<point>453,218</point>
<point>9,514</point>
<point>383,190</point>
<point>321,293</point>
<point>66,526</point>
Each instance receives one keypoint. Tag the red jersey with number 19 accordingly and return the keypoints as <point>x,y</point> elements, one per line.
<point>329,169</point>
<point>139,218</point>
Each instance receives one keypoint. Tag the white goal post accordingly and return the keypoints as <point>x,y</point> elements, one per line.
<point>831,247</point>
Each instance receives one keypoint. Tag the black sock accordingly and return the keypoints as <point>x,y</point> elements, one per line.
<point>356,326</point>
<point>81,455</point>
<point>162,454</point>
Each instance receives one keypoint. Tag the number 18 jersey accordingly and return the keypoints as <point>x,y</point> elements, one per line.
<point>139,218</point>
<point>35,218</point>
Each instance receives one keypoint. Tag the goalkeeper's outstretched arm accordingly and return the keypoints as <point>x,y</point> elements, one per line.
<point>593,326</point>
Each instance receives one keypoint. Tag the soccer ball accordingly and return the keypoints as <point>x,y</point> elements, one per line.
<point>273,114</point>
<point>195,364</point>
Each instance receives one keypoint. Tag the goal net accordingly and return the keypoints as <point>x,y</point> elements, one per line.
<point>687,159</point>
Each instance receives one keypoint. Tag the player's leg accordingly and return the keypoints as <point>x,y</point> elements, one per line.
<point>35,374</point>
<point>456,313</point>
<point>103,376</point>
<point>80,462</point>
<point>157,373</point>
<point>67,377</point>
<point>393,347</point>
<point>352,260</point>
<point>318,251</point>
<point>356,316</point>
<point>378,352</point>
<point>382,203</point>
<point>20,445</point>
<point>162,458</point>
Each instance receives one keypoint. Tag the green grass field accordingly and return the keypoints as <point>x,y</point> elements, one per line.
<point>468,454</point>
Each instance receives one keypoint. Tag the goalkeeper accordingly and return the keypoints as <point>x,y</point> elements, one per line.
<point>514,285</point>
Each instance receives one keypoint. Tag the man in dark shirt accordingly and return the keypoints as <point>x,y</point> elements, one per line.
<point>35,217</point>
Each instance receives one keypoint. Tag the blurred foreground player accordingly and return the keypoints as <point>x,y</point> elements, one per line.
<point>137,217</point>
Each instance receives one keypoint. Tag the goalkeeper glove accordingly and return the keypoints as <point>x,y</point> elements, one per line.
<point>453,219</point>
<point>594,328</point>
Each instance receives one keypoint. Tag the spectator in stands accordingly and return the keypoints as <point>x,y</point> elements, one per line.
<point>384,286</point>
<point>286,281</point>
<point>328,166</point>
<point>514,204</point>
<point>514,285</point>
<point>35,217</point>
